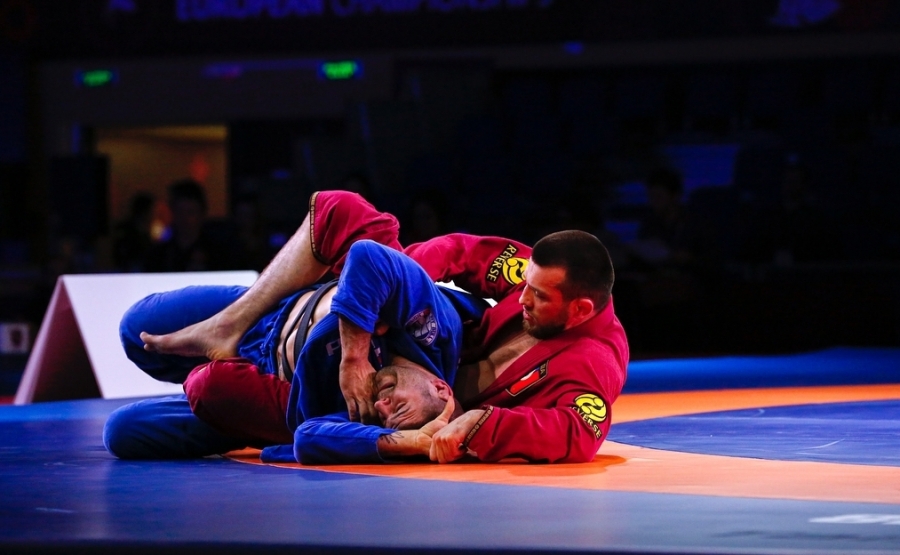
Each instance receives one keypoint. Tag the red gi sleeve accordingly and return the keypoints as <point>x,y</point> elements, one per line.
<point>562,419</point>
<point>555,435</point>
<point>489,267</point>
<point>340,218</point>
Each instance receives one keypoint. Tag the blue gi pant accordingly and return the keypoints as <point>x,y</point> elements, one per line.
<point>166,427</point>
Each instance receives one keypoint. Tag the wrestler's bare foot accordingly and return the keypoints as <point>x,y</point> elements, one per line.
<point>212,338</point>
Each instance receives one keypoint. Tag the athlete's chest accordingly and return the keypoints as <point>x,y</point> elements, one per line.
<point>473,379</point>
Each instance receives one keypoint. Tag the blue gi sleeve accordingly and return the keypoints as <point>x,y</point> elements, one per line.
<point>334,439</point>
<point>379,283</point>
<point>278,454</point>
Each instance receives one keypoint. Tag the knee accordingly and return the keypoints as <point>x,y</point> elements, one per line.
<point>122,433</point>
<point>341,218</point>
<point>216,385</point>
<point>133,322</point>
<point>343,204</point>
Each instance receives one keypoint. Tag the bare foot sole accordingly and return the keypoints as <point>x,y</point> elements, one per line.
<point>207,338</point>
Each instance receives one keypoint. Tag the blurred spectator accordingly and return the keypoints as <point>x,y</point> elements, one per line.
<point>188,246</point>
<point>254,250</point>
<point>661,293</point>
<point>661,237</point>
<point>132,237</point>
<point>794,229</point>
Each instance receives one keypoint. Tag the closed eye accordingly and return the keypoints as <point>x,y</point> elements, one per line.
<point>385,389</point>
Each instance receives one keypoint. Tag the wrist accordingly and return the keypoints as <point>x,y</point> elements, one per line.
<point>474,419</point>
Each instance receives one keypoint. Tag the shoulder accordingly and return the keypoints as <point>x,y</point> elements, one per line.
<point>589,350</point>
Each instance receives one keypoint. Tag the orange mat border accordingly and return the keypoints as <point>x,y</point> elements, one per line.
<point>619,467</point>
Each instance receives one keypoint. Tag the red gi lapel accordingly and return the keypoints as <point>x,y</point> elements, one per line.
<point>532,359</point>
<point>535,357</point>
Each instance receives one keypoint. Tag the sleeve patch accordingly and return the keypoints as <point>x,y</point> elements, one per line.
<point>511,267</point>
<point>423,327</point>
<point>592,410</point>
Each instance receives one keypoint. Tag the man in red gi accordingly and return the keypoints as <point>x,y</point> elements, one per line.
<point>548,360</point>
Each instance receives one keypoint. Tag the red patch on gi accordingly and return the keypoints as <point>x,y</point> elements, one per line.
<point>528,380</point>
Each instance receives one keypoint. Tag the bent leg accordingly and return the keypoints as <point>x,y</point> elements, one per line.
<point>166,312</point>
<point>163,428</point>
<point>335,220</point>
<point>339,219</point>
<point>235,398</point>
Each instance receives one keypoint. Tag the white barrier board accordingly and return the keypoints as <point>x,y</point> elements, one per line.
<point>77,352</point>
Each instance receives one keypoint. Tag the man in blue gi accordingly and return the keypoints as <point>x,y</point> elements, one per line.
<point>419,341</point>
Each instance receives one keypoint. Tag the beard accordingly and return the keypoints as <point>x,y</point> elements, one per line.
<point>543,331</point>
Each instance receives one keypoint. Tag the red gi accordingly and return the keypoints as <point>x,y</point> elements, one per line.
<point>553,404</point>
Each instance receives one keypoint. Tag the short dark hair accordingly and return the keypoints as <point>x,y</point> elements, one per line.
<point>588,267</point>
<point>187,189</point>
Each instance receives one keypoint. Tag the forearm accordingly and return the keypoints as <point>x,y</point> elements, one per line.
<point>356,374</point>
<point>355,342</point>
<point>553,435</point>
<point>403,443</point>
<point>334,440</point>
<point>485,266</point>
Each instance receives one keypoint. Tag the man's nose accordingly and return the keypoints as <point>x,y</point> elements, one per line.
<point>525,297</point>
<point>383,407</point>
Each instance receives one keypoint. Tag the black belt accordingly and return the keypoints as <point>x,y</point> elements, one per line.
<point>301,323</point>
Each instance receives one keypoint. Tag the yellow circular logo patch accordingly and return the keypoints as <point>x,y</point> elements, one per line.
<point>514,270</point>
<point>591,406</point>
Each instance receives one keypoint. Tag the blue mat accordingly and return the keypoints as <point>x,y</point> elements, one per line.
<point>853,433</point>
<point>837,366</point>
<point>62,494</point>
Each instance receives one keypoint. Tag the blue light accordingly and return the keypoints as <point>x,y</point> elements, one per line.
<point>573,48</point>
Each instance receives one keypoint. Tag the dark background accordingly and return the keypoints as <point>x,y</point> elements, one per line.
<point>561,109</point>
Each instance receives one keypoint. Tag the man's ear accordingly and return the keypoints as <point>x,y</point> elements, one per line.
<point>444,391</point>
<point>582,309</point>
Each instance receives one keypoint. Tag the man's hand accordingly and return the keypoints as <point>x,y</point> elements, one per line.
<point>426,432</point>
<point>357,381</point>
<point>415,442</point>
<point>357,376</point>
<point>447,443</point>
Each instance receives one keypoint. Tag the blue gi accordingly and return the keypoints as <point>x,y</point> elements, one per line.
<point>377,283</point>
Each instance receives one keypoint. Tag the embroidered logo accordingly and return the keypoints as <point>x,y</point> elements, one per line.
<point>514,270</point>
<point>423,327</point>
<point>507,265</point>
<point>528,380</point>
<point>592,410</point>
